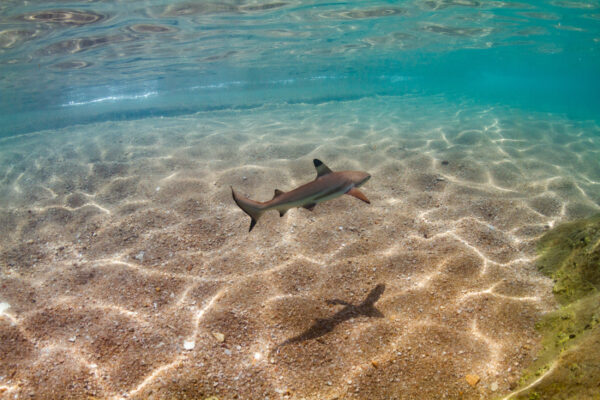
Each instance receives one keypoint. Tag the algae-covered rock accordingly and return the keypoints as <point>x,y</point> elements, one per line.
<point>568,366</point>
<point>570,254</point>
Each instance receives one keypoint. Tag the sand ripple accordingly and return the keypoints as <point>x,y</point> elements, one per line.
<point>127,270</point>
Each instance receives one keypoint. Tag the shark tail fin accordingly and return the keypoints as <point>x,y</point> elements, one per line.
<point>253,208</point>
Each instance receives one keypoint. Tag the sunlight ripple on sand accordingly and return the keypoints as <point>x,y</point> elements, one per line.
<point>130,272</point>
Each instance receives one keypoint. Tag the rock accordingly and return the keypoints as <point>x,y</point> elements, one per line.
<point>472,380</point>
<point>189,344</point>
<point>494,386</point>
<point>219,336</point>
<point>140,256</point>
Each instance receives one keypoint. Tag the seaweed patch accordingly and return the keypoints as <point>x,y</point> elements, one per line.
<point>568,365</point>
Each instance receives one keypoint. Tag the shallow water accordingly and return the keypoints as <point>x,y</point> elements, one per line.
<point>127,271</point>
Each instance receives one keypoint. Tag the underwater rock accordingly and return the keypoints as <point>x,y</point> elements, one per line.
<point>189,344</point>
<point>472,380</point>
<point>568,366</point>
<point>219,336</point>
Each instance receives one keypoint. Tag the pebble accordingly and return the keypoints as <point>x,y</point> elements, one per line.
<point>494,386</point>
<point>189,344</point>
<point>219,336</point>
<point>472,379</point>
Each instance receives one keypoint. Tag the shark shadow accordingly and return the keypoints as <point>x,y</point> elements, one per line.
<point>322,326</point>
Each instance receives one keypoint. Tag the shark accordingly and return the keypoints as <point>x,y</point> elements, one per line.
<point>326,186</point>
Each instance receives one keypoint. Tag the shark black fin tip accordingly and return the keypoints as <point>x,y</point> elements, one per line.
<point>252,223</point>
<point>321,168</point>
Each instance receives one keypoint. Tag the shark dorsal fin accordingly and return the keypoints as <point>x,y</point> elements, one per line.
<point>277,193</point>
<point>322,169</point>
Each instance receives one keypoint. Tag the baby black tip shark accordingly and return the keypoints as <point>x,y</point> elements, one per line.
<point>327,185</point>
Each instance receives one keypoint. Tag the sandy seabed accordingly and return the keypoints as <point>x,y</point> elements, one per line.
<point>127,271</point>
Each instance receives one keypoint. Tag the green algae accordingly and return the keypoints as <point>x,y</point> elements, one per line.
<point>568,365</point>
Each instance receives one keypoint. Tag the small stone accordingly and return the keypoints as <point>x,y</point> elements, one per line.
<point>189,344</point>
<point>494,386</point>
<point>3,307</point>
<point>219,336</point>
<point>375,364</point>
<point>472,379</point>
<point>72,339</point>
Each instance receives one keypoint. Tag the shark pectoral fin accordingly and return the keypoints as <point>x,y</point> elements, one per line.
<point>277,193</point>
<point>310,206</point>
<point>358,194</point>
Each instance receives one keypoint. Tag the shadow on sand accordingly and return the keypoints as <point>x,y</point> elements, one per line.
<point>323,326</point>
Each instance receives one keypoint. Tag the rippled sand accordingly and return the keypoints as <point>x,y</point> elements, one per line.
<point>127,271</point>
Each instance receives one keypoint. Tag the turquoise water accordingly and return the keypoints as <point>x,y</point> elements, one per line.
<point>65,62</point>
<point>127,271</point>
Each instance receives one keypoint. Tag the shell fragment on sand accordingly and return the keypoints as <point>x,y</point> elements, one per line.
<point>189,344</point>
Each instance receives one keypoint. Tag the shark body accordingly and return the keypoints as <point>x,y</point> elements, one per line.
<point>328,185</point>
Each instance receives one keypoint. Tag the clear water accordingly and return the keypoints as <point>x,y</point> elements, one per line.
<point>127,271</point>
<point>65,63</point>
